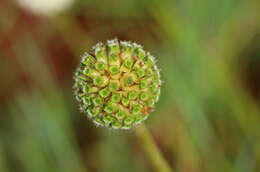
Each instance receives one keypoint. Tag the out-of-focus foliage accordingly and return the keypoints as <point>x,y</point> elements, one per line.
<point>208,116</point>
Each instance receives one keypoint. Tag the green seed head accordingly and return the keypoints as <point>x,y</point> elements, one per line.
<point>118,85</point>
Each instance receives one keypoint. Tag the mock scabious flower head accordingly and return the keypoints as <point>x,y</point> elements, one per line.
<point>117,85</point>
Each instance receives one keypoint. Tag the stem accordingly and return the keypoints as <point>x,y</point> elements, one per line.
<point>151,149</point>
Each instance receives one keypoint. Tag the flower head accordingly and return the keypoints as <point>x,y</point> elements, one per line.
<point>118,85</point>
<point>45,7</point>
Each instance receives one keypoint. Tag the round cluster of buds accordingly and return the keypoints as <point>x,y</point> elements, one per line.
<point>117,85</point>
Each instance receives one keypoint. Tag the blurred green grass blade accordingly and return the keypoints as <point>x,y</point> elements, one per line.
<point>49,132</point>
<point>3,162</point>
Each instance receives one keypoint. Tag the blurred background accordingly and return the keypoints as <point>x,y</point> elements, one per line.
<point>208,116</point>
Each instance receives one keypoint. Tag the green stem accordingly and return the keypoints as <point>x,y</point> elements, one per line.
<point>151,149</point>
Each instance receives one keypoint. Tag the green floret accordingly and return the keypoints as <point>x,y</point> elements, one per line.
<point>120,115</point>
<point>143,96</point>
<point>125,101</point>
<point>114,85</point>
<point>143,84</point>
<point>128,63</point>
<point>104,93</point>
<point>114,70</point>
<point>110,108</point>
<point>132,95</point>
<point>128,81</point>
<point>98,101</point>
<point>115,97</point>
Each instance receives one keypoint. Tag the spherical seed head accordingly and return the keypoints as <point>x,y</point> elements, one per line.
<point>118,85</point>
